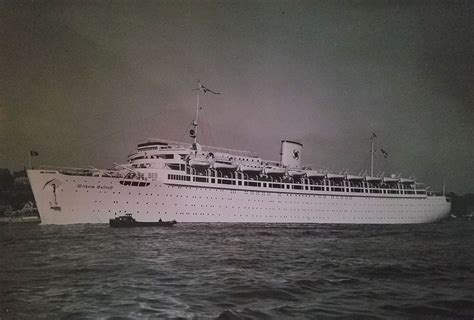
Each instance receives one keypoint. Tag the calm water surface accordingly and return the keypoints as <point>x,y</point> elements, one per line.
<point>237,271</point>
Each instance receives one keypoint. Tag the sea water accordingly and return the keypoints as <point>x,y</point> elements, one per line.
<point>237,271</point>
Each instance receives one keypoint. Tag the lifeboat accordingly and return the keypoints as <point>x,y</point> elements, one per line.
<point>223,164</point>
<point>353,177</point>
<point>250,168</point>
<point>274,170</point>
<point>403,180</point>
<point>315,174</point>
<point>390,180</point>
<point>372,179</point>
<point>335,176</point>
<point>199,162</point>
<point>296,172</point>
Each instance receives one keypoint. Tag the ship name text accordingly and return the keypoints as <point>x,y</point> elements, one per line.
<point>85,186</point>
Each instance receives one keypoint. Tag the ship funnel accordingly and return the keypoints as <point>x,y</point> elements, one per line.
<point>291,153</point>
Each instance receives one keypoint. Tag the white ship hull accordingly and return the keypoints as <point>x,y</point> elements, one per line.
<point>69,199</point>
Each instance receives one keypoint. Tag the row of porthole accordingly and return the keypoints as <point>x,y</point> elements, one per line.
<point>318,203</point>
<point>270,216</point>
<point>309,218</point>
<point>284,209</point>
<point>321,203</point>
<point>321,218</point>
<point>319,196</point>
<point>138,211</point>
<point>289,202</point>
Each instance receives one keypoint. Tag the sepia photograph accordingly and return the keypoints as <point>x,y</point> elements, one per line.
<point>243,159</point>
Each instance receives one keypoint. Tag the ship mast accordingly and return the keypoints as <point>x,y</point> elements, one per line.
<point>193,131</point>
<point>372,138</point>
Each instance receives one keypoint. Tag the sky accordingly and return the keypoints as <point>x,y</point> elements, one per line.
<point>83,82</point>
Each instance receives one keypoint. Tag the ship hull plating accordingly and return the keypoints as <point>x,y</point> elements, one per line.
<point>69,199</point>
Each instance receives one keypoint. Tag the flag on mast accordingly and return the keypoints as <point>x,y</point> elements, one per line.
<point>385,153</point>
<point>205,89</point>
<point>32,154</point>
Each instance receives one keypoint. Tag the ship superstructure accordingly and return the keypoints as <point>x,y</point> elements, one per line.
<point>188,182</point>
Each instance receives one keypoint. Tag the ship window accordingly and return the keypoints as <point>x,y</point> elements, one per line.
<point>166,156</point>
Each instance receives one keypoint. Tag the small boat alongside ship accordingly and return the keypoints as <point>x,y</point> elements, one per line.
<point>127,221</point>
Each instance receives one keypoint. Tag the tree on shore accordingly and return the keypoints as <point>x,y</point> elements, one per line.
<point>461,205</point>
<point>6,180</point>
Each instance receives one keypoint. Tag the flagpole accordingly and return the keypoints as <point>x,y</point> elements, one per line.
<point>193,131</point>
<point>196,115</point>
<point>372,154</point>
<point>372,157</point>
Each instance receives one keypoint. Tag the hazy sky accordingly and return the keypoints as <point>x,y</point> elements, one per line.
<point>82,82</point>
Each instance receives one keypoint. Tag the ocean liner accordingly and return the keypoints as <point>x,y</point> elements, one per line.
<point>188,182</point>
